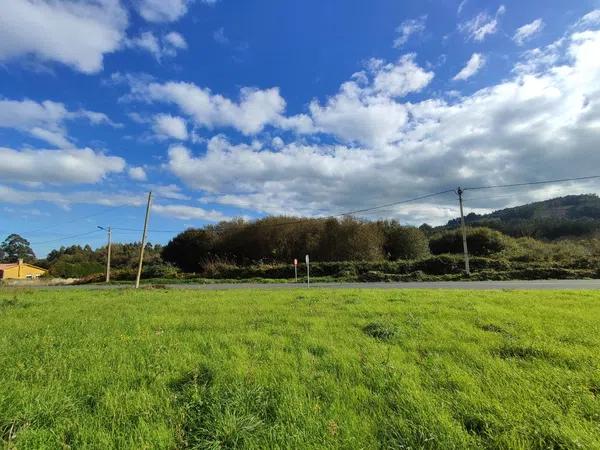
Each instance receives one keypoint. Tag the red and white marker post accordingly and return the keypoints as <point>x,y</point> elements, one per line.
<point>296,269</point>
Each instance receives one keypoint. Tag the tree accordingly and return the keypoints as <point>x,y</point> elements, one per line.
<point>404,242</point>
<point>190,249</point>
<point>481,242</point>
<point>16,247</point>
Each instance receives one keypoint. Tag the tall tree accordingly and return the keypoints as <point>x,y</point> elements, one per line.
<point>16,247</point>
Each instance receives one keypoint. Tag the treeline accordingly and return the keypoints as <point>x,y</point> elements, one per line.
<point>77,261</point>
<point>281,239</point>
<point>573,216</point>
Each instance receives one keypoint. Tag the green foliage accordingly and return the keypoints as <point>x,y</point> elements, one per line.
<point>77,261</point>
<point>16,247</point>
<point>481,242</point>
<point>314,368</point>
<point>404,242</point>
<point>275,240</point>
<point>188,250</point>
<point>558,218</point>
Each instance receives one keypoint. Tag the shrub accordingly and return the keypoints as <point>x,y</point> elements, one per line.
<point>404,242</point>
<point>440,265</point>
<point>481,242</point>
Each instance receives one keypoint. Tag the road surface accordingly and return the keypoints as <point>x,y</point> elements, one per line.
<point>470,285</point>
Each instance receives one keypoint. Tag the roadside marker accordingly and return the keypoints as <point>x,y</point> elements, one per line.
<point>307,259</point>
<point>296,269</point>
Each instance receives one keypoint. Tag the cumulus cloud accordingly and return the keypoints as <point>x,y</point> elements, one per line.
<point>164,10</point>
<point>57,166</point>
<point>166,46</point>
<point>137,173</point>
<point>45,30</point>
<point>522,128</point>
<point>186,212</point>
<point>590,19</point>
<point>409,28</point>
<point>474,65</point>
<point>527,31</point>
<point>482,25</point>
<point>250,114</point>
<point>365,109</point>
<point>166,125</point>
<point>45,120</point>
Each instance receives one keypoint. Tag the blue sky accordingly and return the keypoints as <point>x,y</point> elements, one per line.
<point>230,108</point>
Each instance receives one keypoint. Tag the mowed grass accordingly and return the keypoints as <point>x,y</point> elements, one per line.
<point>299,369</point>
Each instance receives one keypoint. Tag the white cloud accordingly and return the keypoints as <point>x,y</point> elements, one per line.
<point>166,125</point>
<point>167,46</point>
<point>364,110</point>
<point>176,40</point>
<point>45,120</point>
<point>461,7</point>
<point>170,191</point>
<point>527,31</point>
<point>164,10</point>
<point>255,109</point>
<point>409,28</point>
<point>522,128</point>
<point>137,173</point>
<point>57,166</point>
<point>474,65</point>
<point>77,34</point>
<point>590,19</point>
<point>185,212</point>
<point>66,199</point>
<point>482,25</point>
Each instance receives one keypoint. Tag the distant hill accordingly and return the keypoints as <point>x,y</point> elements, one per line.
<point>562,217</point>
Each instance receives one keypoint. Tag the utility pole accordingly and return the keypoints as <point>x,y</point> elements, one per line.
<point>139,273</point>
<point>108,247</point>
<point>459,191</point>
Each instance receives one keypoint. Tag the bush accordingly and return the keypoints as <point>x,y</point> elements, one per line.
<point>440,265</point>
<point>481,242</point>
<point>160,271</point>
<point>404,242</point>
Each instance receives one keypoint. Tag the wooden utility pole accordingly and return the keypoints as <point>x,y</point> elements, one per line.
<point>108,248</point>
<point>139,272</point>
<point>464,231</point>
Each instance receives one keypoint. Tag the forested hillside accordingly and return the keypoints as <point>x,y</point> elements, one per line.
<point>563,217</point>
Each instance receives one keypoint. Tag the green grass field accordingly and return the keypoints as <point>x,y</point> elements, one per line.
<point>299,369</point>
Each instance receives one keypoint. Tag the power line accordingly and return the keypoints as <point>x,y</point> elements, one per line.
<point>77,219</point>
<point>395,203</point>
<point>65,238</point>
<point>531,183</point>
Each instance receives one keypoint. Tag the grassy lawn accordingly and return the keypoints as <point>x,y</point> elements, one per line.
<point>299,369</point>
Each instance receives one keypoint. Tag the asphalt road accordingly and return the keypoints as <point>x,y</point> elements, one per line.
<point>469,285</point>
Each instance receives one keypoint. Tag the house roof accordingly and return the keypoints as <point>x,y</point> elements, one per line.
<point>11,265</point>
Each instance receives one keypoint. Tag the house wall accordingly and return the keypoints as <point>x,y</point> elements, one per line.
<point>22,271</point>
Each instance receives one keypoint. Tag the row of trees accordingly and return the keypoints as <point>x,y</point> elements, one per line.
<point>281,239</point>
<point>77,261</point>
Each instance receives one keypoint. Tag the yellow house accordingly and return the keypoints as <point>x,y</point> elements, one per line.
<point>20,270</point>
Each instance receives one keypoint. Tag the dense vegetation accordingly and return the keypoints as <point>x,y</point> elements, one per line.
<point>365,369</point>
<point>558,218</point>
<point>281,239</point>
<point>77,261</point>
<point>514,243</point>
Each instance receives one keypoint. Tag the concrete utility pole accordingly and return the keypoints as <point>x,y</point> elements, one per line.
<point>139,273</point>
<point>108,248</point>
<point>459,191</point>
